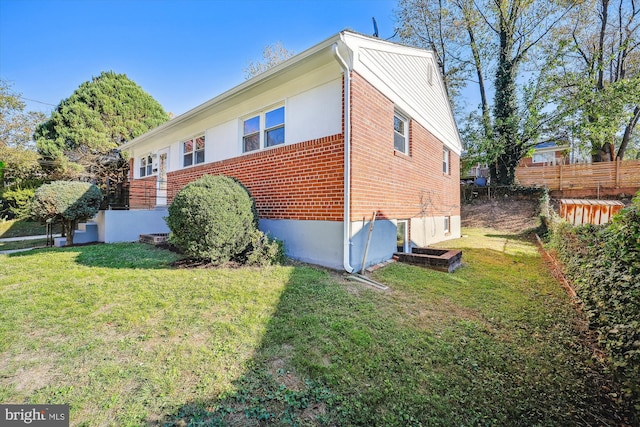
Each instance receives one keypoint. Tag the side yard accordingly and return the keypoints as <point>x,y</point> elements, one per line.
<point>126,339</point>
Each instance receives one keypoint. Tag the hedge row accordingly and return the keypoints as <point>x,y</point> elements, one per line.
<point>603,262</point>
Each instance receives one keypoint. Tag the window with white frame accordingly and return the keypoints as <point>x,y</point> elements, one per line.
<point>193,151</point>
<point>445,161</point>
<point>263,130</point>
<point>146,166</point>
<point>400,133</point>
<point>447,224</point>
<point>543,158</point>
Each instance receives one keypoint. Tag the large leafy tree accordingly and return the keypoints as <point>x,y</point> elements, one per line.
<point>17,151</point>
<point>81,138</point>
<point>473,39</point>
<point>598,78</point>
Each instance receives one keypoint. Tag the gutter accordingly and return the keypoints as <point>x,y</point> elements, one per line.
<point>346,253</point>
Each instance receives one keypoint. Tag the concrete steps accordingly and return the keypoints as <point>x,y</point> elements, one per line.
<point>87,232</point>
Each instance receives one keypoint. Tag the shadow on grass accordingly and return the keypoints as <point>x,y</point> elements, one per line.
<point>527,236</point>
<point>125,255</point>
<point>20,228</point>
<point>343,354</point>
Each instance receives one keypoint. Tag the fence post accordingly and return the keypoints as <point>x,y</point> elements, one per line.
<point>560,166</point>
<point>617,173</point>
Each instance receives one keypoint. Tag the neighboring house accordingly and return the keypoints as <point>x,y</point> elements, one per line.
<point>353,125</point>
<point>547,154</point>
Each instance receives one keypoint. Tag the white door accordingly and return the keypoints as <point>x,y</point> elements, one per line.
<point>163,168</point>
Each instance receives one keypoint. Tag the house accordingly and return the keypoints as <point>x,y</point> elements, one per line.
<point>547,154</point>
<point>352,126</point>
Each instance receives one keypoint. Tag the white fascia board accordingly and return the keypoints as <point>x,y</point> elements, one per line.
<point>272,73</point>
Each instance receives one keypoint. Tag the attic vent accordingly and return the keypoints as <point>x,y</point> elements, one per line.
<point>430,74</point>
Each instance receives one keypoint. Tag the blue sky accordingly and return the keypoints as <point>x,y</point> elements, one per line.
<point>180,52</point>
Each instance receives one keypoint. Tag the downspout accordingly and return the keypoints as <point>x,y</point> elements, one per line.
<point>346,253</point>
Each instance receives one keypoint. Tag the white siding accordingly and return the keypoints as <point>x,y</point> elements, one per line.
<point>222,142</point>
<point>413,83</point>
<point>313,109</point>
<point>315,113</point>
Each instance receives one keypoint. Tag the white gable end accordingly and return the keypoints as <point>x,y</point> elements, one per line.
<point>412,82</point>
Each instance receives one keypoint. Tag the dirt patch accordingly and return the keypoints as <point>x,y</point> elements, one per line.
<point>508,215</point>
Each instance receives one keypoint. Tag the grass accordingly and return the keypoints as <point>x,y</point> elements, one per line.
<point>126,340</point>
<point>23,227</point>
<point>22,244</point>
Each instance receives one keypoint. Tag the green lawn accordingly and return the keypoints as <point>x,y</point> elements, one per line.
<point>23,227</point>
<point>126,341</point>
<point>21,244</point>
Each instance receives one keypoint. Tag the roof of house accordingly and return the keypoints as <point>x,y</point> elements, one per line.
<point>407,75</point>
<point>549,147</point>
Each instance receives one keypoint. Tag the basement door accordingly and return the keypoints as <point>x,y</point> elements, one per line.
<point>163,168</point>
<point>402,241</point>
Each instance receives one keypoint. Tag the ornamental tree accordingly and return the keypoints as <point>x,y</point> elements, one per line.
<point>69,202</point>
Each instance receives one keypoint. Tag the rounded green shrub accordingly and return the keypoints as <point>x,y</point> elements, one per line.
<point>212,218</point>
<point>68,202</point>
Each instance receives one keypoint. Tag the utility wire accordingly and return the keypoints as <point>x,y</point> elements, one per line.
<point>39,102</point>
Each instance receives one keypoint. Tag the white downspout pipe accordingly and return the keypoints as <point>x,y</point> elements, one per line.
<point>346,261</point>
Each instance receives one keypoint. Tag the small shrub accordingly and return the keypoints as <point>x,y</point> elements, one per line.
<point>212,219</point>
<point>264,250</point>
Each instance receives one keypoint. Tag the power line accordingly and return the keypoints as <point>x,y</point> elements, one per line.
<point>39,102</point>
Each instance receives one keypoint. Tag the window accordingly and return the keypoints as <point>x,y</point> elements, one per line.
<point>447,224</point>
<point>274,127</point>
<point>400,140</point>
<point>543,158</point>
<point>263,130</point>
<point>193,151</point>
<point>146,166</point>
<point>251,136</point>
<point>445,161</point>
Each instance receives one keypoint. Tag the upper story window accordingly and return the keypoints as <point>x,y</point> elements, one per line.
<point>263,130</point>
<point>445,161</point>
<point>146,166</point>
<point>193,151</point>
<point>400,133</point>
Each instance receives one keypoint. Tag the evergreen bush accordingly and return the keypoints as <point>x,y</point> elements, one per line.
<point>212,219</point>
<point>264,250</point>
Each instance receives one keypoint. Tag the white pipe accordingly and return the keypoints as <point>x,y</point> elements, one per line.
<point>346,252</point>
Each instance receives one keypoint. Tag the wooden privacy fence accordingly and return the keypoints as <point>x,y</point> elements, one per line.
<point>618,174</point>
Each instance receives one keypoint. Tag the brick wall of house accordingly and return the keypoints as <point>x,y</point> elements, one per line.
<point>395,185</point>
<point>301,181</point>
<point>305,181</point>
